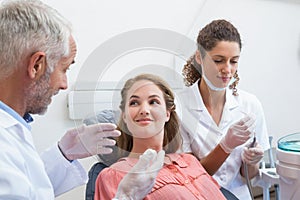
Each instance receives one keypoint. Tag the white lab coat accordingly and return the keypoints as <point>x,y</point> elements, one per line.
<point>201,134</point>
<point>26,175</point>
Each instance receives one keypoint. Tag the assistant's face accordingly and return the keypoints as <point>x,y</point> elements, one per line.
<point>145,110</point>
<point>49,84</point>
<point>220,64</point>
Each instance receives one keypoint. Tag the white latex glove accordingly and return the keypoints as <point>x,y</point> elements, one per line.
<point>141,178</point>
<point>238,134</point>
<point>86,141</point>
<point>252,155</point>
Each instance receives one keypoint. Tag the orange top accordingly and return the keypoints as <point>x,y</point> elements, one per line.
<point>185,178</point>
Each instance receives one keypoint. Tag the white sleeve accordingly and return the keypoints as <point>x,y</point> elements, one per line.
<point>261,128</point>
<point>21,169</point>
<point>63,174</point>
<point>14,181</point>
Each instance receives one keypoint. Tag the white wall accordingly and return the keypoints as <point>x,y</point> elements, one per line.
<point>269,66</point>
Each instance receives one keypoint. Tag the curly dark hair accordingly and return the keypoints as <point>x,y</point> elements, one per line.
<point>208,38</point>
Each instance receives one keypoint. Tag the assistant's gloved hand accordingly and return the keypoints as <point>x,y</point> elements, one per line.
<point>238,134</point>
<point>141,178</point>
<point>252,155</point>
<point>86,141</point>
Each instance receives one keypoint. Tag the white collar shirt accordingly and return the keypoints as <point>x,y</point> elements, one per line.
<point>201,134</point>
<point>26,175</point>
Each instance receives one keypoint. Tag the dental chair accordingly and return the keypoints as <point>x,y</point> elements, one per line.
<point>104,116</point>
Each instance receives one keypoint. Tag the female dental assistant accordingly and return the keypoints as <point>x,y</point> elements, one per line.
<point>218,120</point>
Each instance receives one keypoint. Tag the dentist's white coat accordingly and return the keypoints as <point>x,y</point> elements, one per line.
<point>24,174</point>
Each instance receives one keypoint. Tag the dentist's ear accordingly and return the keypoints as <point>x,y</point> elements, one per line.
<point>37,65</point>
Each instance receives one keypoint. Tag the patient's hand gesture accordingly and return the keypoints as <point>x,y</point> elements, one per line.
<point>141,178</point>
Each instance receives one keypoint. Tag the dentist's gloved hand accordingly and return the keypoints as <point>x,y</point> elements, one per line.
<point>238,134</point>
<point>252,155</point>
<point>141,178</point>
<point>86,141</point>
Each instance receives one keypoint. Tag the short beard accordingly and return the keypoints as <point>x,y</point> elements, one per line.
<point>38,95</point>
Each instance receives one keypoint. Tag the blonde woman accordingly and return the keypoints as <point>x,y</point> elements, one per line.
<point>149,120</point>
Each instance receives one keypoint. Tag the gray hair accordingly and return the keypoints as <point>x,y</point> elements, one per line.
<point>28,26</point>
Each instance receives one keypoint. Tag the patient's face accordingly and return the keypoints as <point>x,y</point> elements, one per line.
<point>145,110</point>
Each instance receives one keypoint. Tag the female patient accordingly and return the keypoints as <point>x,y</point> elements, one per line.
<point>148,120</point>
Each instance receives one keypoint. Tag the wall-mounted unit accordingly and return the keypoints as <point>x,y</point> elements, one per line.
<point>84,101</point>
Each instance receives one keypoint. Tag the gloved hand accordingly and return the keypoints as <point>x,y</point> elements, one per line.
<point>141,178</point>
<point>238,134</point>
<point>86,141</point>
<point>252,155</point>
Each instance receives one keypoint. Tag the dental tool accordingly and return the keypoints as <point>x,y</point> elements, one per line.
<point>248,181</point>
